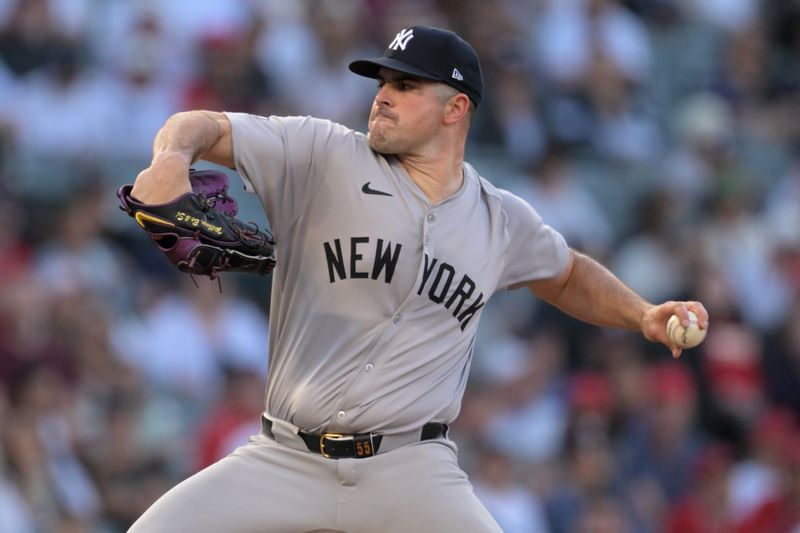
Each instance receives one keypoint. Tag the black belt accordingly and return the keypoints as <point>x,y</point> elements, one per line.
<point>338,446</point>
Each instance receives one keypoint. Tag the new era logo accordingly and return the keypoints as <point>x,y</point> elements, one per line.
<point>401,39</point>
<point>457,75</point>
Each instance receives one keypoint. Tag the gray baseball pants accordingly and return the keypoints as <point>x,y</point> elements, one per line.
<point>275,484</point>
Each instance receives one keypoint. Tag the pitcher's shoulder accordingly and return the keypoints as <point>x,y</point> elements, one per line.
<point>336,136</point>
<point>496,194</point>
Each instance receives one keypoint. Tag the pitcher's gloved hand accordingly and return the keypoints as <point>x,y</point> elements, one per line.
<point>199,232</point>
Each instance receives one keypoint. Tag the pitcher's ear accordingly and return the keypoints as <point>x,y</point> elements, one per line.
<point>456,108</point>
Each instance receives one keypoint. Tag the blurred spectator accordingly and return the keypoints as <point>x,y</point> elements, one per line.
<point>742,79</point>
<point>571,34</point>
<point>141,79</point>
<point>621,129</point>
<point>706,507</point>
<point>781,512</point>
<point>728,15</point>
<point>26,331</point>
<point>285,48</point>
<point>15,250</point>
<point>187,336</point>
<point>647,261</point>
<point>628,376</point>
<point>656,449</point>
<point>63,110</point>
<point>703,127</point>
<point>588,477</point>
<point>732,356</point>
<point>515,508</point>
<point>713,289</point>
<point>133,464</point>
<point>782,215</point>
<point>77,258</point>
<point>17,516</point>
<point>14,508</point>
<point>782,363</point>
<point>230,78</point>
<point>737,246</point>
<point>590,393</point>
<point>234,418</point>
<point>30,38</point>
<point>533,409</point>
<point>397,15</point>
<point>41,447</point>
<point>603,514</point>
<point>564,202</point>
<point>757,479</point>
<point>334,93</point>
<point>521,127</point>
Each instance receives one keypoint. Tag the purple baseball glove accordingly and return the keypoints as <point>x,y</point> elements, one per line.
<point>199,232</point>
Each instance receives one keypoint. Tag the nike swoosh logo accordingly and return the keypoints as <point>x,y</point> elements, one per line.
<point>367,190</point>
<point>142,218</point>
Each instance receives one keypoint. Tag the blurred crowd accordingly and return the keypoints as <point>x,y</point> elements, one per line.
<point>659,136</point>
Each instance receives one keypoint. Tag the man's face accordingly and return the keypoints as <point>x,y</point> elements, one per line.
<point>406,113</point>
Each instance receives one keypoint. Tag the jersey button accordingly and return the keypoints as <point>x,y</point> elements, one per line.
<point>340,415</point>
<point>368,367</point>
<point>396,319</point>
<point>431,218</point>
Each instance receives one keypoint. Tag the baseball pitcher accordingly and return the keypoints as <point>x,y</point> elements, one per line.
<point>385,248</point>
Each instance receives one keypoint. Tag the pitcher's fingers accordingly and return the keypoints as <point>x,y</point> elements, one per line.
<point>702,315</point>
<point>676,351</point>
<point>682,310</point>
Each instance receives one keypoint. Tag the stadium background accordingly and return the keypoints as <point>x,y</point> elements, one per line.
<point>660,136</point>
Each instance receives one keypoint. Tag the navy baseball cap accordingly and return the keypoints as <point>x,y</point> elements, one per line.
<point>432,54</point>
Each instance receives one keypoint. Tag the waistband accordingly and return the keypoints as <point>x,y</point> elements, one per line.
<point>339,446</point>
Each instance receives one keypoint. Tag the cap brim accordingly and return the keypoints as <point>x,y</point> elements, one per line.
<point>370,67</point>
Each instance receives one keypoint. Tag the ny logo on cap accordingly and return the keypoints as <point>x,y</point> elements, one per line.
<point>401,39</point>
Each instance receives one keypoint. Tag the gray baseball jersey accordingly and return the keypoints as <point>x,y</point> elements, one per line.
<point>375,303</point>
<point>377,294</point>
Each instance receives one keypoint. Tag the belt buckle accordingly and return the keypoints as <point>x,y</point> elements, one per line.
<point>331,436</point>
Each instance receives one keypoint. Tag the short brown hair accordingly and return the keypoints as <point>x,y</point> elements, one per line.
<point>445,92</point>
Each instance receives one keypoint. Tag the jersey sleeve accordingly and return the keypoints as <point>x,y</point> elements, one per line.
<point>535,250</point>
<point>282,161</point>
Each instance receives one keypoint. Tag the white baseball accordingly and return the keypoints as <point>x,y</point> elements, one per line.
<point>688,337</point>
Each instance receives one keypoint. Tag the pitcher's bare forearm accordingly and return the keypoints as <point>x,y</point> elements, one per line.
<point>184,138</point>
<point>589,292</point>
